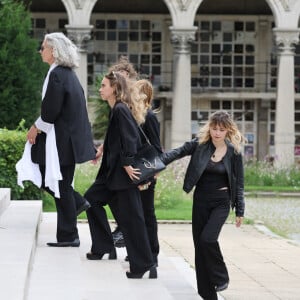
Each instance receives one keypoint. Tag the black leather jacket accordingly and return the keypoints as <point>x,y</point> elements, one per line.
<point>200,155</point>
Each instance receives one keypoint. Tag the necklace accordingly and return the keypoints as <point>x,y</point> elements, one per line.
<point>219,153</point>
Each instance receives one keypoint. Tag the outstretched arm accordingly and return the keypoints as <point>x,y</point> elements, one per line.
<point>186,149</point>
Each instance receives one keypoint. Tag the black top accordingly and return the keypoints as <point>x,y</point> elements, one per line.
<point>214,176</point>
<point>200,156</point>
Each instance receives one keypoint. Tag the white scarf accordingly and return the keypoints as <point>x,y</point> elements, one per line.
<point>27,170</point>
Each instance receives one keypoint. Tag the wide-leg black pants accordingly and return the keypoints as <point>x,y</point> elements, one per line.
<point>66,229</point>
<point>131,219</point>
<point>147,197</point>
<point>210,211</point>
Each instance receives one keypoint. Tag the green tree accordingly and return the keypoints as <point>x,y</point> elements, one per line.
<point>22,70</point>
<point>101,113</point>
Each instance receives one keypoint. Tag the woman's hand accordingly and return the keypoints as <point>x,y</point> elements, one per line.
<point>32,134</point>
<point>144,187</point>
<point>238,221</point>
<point>98,154</point>
<point>132,172</point>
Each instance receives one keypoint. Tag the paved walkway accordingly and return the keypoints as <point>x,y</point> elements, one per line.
<point>261,267</point>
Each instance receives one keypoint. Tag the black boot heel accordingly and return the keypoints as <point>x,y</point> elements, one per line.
<point>113,254</point>
<point>152,273</point>
<point>98,256</point>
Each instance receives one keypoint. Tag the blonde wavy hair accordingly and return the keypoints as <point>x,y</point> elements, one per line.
<point>145,90</point>
<point>142,96</point>
<point>223,119</point>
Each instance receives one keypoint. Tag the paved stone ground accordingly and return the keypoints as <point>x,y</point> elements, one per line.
<point>261,267</point>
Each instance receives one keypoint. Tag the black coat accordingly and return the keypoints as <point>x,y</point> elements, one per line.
<point>152,130</point>
<point>120,145</point>
<point>200,156</point>
<point>64,105</point>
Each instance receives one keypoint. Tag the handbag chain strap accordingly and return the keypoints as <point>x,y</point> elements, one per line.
<point>144,134</point>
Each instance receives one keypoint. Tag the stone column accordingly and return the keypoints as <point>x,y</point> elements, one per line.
<point>285,102</point>
<point>181,105</point>
<point>80,36</point>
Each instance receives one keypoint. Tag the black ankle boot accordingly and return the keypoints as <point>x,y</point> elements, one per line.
<point>152,273</point>
<point>98,256</point>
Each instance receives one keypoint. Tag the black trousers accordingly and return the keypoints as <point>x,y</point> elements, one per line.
<point>147,198</point>
<point>66,230</point>
<point>130,218</point>
<point>79,200</point>
<point>210,211</point>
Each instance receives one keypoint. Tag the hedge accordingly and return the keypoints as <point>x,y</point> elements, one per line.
<point>11,149</point>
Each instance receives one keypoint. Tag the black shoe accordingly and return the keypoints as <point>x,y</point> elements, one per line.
<point>86,205</point>
<point>222,287</point>
<point>118,239</point>
<point>75,243</point>
<point>94,256</point>
<point>152,273</point>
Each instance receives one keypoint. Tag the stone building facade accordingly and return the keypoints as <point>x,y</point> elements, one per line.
<point>201,55</point>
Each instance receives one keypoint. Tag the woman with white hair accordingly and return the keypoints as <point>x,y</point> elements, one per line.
<point>61,136</point>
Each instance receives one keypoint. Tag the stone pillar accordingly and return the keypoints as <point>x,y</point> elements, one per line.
<point>181,105</point>
<point>80,36</point>
<point>285,102</point>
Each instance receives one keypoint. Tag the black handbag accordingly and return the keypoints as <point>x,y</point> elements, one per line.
<point>148,161</point>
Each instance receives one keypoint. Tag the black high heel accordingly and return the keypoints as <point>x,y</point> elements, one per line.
<point>152,273</point>
<point>95,256</point>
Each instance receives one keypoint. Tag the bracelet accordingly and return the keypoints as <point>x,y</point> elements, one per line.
<point>38,130</point>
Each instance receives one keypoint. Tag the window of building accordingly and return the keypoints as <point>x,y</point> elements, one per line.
<point>229,45</point>
<point>62,23</point>
<point>139,39</point>
<point>40,23</point>
<point>39,28</point>
<point>243,113</point>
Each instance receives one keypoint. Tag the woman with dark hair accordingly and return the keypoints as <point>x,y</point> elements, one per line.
<point>113,184</point>
<point>216,171</point>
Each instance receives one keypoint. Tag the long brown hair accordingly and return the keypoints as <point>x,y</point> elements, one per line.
<point>123,94</point>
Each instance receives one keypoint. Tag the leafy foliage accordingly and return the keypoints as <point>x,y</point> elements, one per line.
<point>11,149</point>
<point>22,70</point>
<point>261,173</point>
<point>101,112</point>
<point>169,192</point>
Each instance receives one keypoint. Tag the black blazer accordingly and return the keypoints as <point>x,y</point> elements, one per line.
<point>200,155</point>
<point>120,145</point>
<point>64,105</point>
<point>152,130</point>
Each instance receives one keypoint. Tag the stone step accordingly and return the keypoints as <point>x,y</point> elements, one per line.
<point>65,273</point>
<point>19,224</point>
<point>4,199</point>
